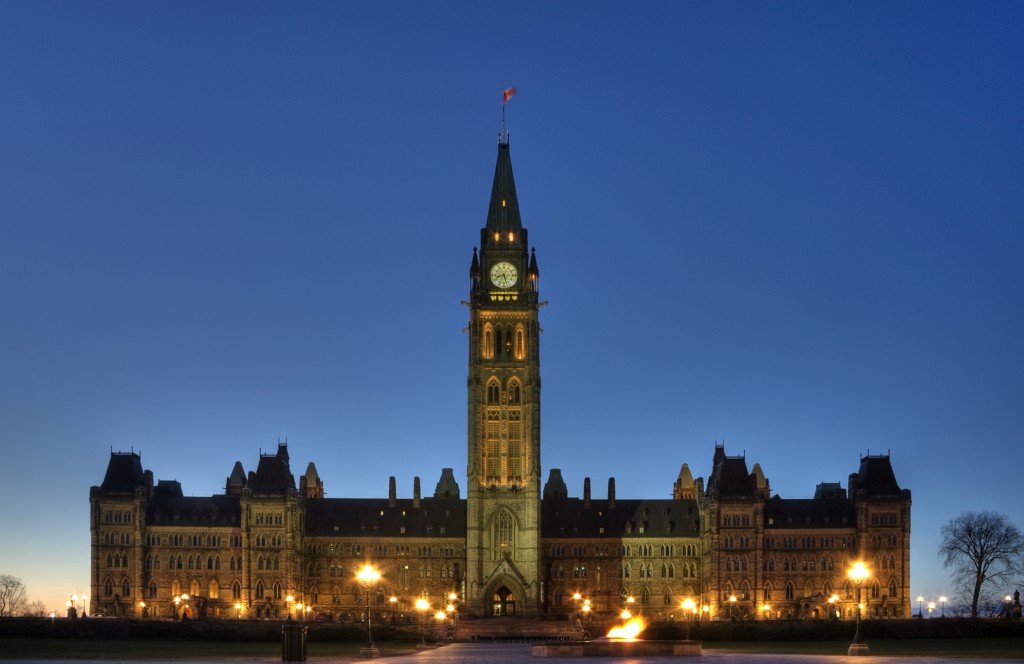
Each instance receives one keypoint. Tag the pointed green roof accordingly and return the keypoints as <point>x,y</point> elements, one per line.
<point>503,212</point>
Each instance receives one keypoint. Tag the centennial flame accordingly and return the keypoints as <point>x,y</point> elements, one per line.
<point>629,631</point>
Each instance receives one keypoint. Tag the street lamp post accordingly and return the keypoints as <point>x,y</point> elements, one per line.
<point>368,577</point>
<point>832,604</point>
<point>931,607</point>
<point>920,606</point>
<point>858,573</point>
<point>85,605</point>
<point>732,607</point>
<point>688,606</point>
<point>238,610</point>
<point>393,601</point>
<point>422,605</point>
<point>942,603</point>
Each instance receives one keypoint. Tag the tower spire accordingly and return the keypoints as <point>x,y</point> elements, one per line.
<point>503,211</point>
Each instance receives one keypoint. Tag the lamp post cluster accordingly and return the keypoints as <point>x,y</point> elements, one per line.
<point>72,605</point>
<point>931,606</point>
<point>582,616</point>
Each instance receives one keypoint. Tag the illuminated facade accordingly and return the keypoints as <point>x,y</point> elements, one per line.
<point>513,545</point>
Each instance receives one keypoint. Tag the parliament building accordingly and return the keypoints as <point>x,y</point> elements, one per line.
<point>515,543</point>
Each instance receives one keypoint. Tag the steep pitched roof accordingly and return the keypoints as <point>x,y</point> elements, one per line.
<point>124,473</point>
<point>375,517</point>
<point>166,508</point>
<point>877,477</point>
<point>569,517</point>
<point>784,513</point>
<point>730,477</point>
<point>273,474</point>
<point>503,211</point>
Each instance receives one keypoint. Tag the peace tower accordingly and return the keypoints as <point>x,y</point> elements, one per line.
<point>503,400</point>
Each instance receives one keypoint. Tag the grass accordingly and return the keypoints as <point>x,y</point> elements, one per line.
<point>990,648</point>
<point>139,650</point>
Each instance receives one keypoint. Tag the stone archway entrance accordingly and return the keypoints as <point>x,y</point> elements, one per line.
<point>503,602</point>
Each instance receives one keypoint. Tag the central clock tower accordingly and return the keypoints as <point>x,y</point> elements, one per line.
<point>503,575</point>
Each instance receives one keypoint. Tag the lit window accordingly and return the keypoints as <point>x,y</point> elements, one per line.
<point>511,236</point>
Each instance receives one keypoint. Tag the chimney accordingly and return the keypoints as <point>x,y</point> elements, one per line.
<point>392,491</point>
<point>416,493</point>
<point>611,493</point>
<point>586,493</point>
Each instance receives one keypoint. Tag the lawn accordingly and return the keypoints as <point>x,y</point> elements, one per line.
<point>139,650</point>
<point>989,648</point>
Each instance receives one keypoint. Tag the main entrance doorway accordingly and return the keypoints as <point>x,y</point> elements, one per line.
<point>503,603</point>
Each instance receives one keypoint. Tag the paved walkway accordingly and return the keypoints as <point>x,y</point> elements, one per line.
<point>476,653</point>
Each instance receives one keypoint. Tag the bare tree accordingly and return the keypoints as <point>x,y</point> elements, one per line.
<point>981,548</point>
<point>13,596</point>
<point>36,609</point>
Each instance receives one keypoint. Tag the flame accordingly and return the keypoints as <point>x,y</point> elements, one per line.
<point>629,631</point>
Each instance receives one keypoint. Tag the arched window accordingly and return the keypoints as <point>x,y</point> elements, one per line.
<point>514,395</point>
<point>260,589</point>
<point>666,597</point>
<point>488,344</point>
<point>520,343</point>
<point>789,590</point>
<point>645,596</point>
<point>152,589</point>
<point>209,562</point>
<point>193,587</point>
<point>767,591</point>
<point>892,588</point>
<point>504,530</point>
<point>493,392</point>
<point>277,590</point>
<point>236,590</point>
<point>175,587</point>
<point>126,588</point>
<point>108,588</point>
<point>214,590</point>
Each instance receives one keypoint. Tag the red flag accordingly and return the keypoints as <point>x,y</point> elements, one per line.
<point>507,93</point>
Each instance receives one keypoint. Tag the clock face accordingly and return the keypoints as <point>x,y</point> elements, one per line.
<point>503,275</point>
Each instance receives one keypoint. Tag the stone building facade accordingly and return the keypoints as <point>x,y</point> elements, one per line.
<point>513,545</point>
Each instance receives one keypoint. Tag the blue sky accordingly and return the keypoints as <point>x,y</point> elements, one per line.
<point>795,227</point>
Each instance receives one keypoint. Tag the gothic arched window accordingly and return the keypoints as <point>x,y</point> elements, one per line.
<point>493,392</point>
<point>504,530</point>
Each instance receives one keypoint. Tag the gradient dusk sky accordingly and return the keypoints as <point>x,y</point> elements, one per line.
<point>796,227</point>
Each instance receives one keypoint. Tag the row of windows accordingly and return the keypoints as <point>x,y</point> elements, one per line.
<point>194,562</point>
<point>269,519</point>
<point>875,590</point>
<point>512,396</point>
<point>884,519</point>
<point>502,341</point>
<point>268,540</point>
<point>113,539</point>
<point>737,542</point>
<point>810,542</point>
<point>117,516</point>
<point>195,540</point>
<point>668,571</point>
<point>735,520</point>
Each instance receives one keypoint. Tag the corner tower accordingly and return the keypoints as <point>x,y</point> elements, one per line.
<point>503,574</point>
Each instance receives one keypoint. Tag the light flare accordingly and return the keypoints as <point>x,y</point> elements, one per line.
<point>629,631</point>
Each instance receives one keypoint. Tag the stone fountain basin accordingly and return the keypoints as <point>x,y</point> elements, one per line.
<point>618,648</point>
